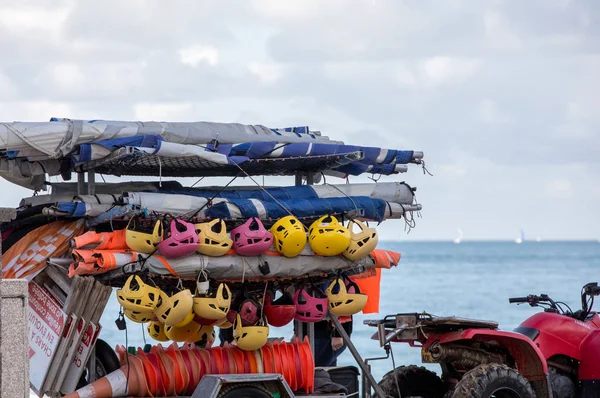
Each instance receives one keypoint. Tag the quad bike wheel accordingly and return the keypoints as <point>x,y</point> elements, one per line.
<point>244,391</point>
<point>562,386</point>
<point>413,381</point>
<point>493,381</point>
<point>106,362</point>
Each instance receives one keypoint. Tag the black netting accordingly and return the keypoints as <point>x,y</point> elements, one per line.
<point>127,161</point>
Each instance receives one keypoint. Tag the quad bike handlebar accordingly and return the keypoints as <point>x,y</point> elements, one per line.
<point>588,293</point>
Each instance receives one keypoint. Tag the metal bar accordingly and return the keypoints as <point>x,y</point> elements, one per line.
<point>80,184</point>
<point>363,366</point>
<point>310,332</point>
<point>298,179</point>
<point>91,185</point>
<point>310,179</point>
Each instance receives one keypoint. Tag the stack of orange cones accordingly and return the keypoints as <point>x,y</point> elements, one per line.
<point>175,370</point>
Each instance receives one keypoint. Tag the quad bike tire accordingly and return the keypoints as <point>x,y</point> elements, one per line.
<point>562,386</point>
<point>106,362</point>
<point>493,380</point>
<point>244,391</point>
<point>414,381</point>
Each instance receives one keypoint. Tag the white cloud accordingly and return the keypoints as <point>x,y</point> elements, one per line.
<point>291,9</point>
<point>442,70</point>
<point>35,111</point>
<point>194,55</point>
<point>499,34</point>
<point>559,188</point>
<point>164,111</point>
<point>7,88</point>
<point>489,112</point>
<point>68,75</point>
<point>24,19</point>
<point>267,72</point>
<point>453,169</point>
<point>77,80</point>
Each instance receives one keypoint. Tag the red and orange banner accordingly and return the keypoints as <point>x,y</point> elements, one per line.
<point>27,258</point>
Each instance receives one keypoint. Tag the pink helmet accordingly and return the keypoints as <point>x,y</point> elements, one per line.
<point>249,311</point>
<point>251,238</point>
<point>180,240</point>
<point>311,304</point>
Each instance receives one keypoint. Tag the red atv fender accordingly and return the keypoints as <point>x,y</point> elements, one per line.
<point>589,366</point>
<point>529,360</point>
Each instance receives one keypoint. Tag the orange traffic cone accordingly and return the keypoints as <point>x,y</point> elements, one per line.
<point>117,383</point>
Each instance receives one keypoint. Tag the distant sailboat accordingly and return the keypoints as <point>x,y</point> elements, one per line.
<point>459,236</point>
<point>521,238</point>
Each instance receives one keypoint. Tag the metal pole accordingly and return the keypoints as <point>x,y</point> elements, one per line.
<point>363,366</point>
<point>91,185</point>
<point>80,183</point>
<point>310,179</point>
<point>310,329</point>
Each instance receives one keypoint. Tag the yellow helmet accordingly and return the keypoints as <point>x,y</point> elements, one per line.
<point>135,295</point>
<point>250,338</point>
<point>139,317</point>
<point>361,243</point>
<point>205,336</point>
<point>141,239</point>
<point>183,333</point>
<point>156,330</point>
<point>327,237</point>
<point>223,323</point>
<point>289,235</point>
<point>215,305</point>
<point>345,301</point>
<point>175,310</point>
<point>214,239</point>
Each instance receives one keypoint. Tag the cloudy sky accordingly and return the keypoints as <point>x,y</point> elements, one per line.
<point>502,96</point>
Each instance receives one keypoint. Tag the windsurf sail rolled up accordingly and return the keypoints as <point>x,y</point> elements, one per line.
<point>59,137</point>
<point>398,192</point>
<point>361,206</point>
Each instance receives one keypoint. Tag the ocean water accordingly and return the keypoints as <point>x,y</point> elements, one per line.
<point>471,279</point>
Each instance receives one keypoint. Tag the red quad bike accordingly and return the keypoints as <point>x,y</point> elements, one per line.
<point>569,342</point>
<point>479,361</point>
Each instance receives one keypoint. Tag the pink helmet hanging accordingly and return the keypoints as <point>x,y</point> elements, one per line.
<point>251,238</point>
<point>311,304</point>
<point>180,240</point>
<point>249,311</point>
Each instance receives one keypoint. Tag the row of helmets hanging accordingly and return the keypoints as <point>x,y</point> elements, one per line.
<point>183,317</point>
<point>179,238</point>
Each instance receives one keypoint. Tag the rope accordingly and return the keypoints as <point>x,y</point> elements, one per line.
<point>265,191</point>
<point>194,184</point>
<point>394,369</point>
<point>209,201</point>
<point>345,194</point>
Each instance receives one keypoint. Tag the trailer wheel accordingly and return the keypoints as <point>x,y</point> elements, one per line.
<point>106,362</point>
<point>493,380</point>
<point>414,381</point>
<point>244,391</point>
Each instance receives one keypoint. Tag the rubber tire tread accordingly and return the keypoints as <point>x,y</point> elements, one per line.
<point>477,382</point>
<point>107,357</point>
<point>562,386</point>
<point>244,391</point>
<point>414,381</point>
